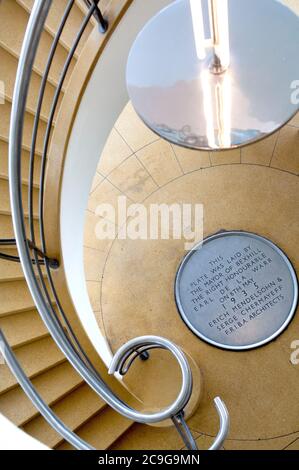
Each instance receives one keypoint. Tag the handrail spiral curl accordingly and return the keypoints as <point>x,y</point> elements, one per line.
<point>138,345</point>
<point>125,356</point>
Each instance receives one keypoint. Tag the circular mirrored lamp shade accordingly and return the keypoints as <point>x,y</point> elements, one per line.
<point>216,74</point>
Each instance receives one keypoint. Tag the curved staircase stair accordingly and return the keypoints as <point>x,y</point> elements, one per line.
<point>54,378</point>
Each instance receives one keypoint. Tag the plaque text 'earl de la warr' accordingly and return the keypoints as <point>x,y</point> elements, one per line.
<point>237,290</point>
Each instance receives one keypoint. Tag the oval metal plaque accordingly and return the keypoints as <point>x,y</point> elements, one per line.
<point>236,290</point>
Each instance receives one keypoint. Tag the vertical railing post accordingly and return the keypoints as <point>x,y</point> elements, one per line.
<point>103,23</point>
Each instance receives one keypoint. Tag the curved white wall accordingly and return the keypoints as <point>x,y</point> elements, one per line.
<point>103,101</point>
<point>13,438</point>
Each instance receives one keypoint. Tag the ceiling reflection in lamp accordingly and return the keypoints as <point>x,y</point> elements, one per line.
<point>198,28</point>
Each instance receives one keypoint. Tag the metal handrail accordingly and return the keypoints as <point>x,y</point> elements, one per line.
<point>43,408</point>
<point>62,333</point>
<point>43,166</point>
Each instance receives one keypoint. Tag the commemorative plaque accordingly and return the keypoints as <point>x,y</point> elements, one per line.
<point>236,290</point>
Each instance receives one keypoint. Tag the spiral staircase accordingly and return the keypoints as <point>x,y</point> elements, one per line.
<point>74,40</point>
<point>62,388</point>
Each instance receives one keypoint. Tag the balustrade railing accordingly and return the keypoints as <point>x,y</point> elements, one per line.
<point>31,244</point>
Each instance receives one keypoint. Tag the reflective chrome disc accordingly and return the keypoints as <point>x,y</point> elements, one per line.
<point>173,91</point>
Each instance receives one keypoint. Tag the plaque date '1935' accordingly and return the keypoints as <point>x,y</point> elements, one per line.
<point>239,296</point>
<point>230,283</point>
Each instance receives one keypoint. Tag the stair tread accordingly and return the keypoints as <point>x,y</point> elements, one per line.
<point>10,271</point>
<point>7,228</point>
<point>15,298</point>
<point>31,111</point>
<point>12,38</point>
<point>23,328</point>
<point>8,70</point>
<point>25,147</point>
<point>34,358</point>
<point>52,385</point>
<point>102,430</point>
<point>5,207</point>
<point>27,130</point>
<point>75,409</point>
<point>54,18</point>
<point>50,80</point>
<point>143,437</point>
<point>25,159</point>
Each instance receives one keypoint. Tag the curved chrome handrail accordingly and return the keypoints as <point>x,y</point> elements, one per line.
<point>127,353</point>
<point>36,399</point>
<point>148,342</point>
<point>224,424</point>
<point>41,299</point>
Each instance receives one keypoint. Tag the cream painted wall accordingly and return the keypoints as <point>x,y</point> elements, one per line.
<point>103,101</point>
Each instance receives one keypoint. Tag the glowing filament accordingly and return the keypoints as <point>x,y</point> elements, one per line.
<point>218,10</point>
<point>217,106</point>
